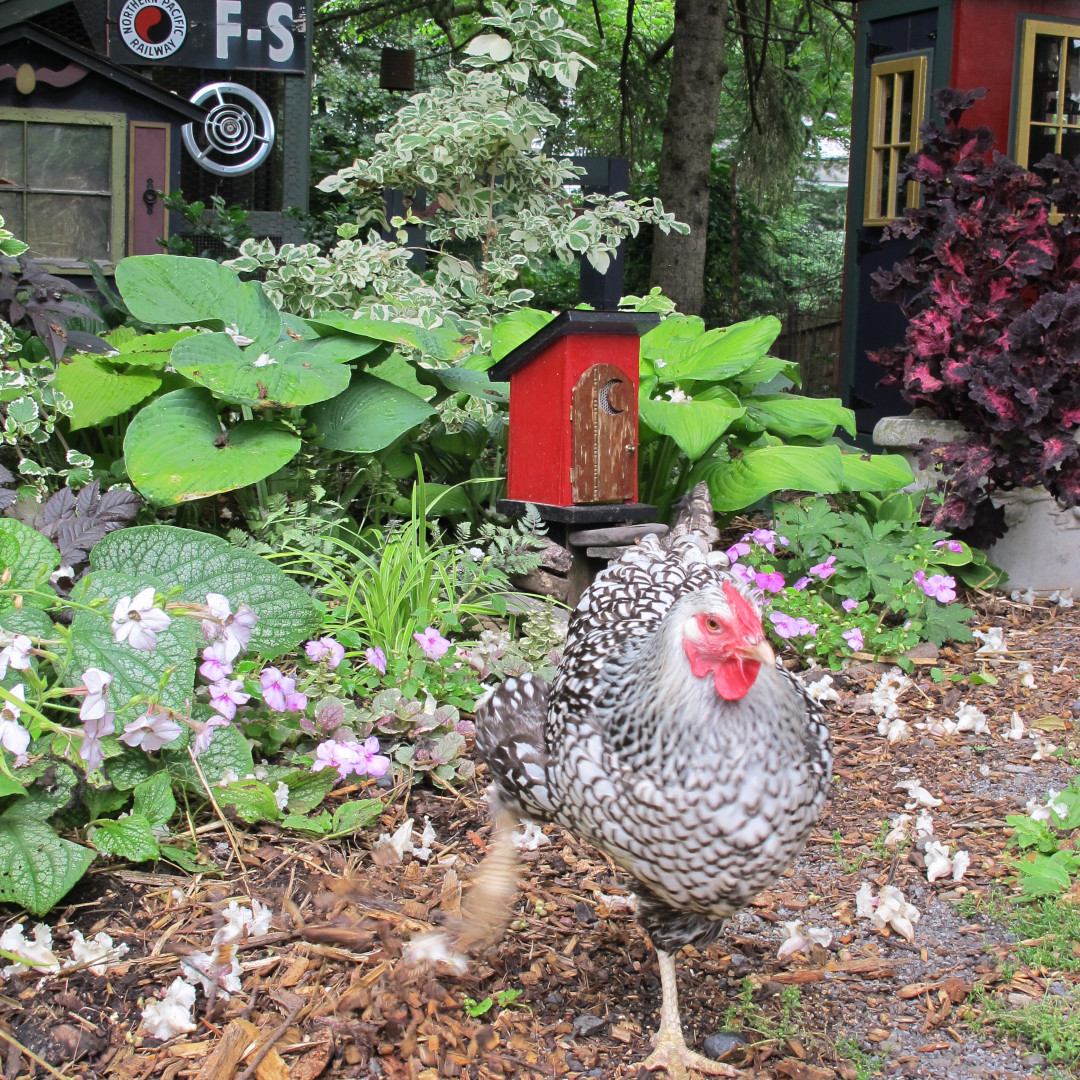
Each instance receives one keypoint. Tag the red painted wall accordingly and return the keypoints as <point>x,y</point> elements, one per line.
<point>985,43</point>
<point>540,453</point>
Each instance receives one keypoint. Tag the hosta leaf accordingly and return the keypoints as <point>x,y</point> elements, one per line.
<point>127,838</point>
<point>875,472</point>
<point>717,354</point>
<point>510,331</point>
<point>175,449</point>
<point>442,343</point>
<point>740,482</point>
<point>694,425</point>
<point>370,415</point>
<point>98,391</point>
<point>29,557</point>
<point>791,416</point>
<point>147,350</point>
<point>37,867</point>
<point>200,563</point>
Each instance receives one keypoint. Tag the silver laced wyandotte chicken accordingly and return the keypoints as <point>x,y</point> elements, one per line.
<point>669,739</point>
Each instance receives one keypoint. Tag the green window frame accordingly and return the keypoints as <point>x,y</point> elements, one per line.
<point>50,170</point>
<point>897,109</point>
<point>1048,91</point>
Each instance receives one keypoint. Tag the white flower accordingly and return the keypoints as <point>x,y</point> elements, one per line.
<point>899,830</point>
<point>938,863</point>
<point>238,339</point>
<point>969,718</point>
<point>13,736</point>
<point>60,573</point>
<point>888,908</point>
<point>531,838</point>
<point>1037,812</point>
<point>476,554</point>
<point>16,652</point>
<point>821,691</point>
<point>618,901</point>
<point>894,730</point>
<point>865,902</point>
<point>798,941</point>
<point>884,700</point>
<point>172,1015</point>
<point>427,839</point>
<point>1026,671</point>
<point>99,952</point>
<point>138,622</point>
<point>263,360</point>
<point>924,825</point>
<point>918,795</point>
<point>260,919</point>
<point>1015,730</point>
<point>434,949</point>
<point>281,795</point>
<point>676,396</point>
<point>1057,669</point>
<point>94,705</point>
<point>236,918</point>
<point>228,776</point>
<point>993,640</point>
<point>960,863</point>
<point>36,955</point>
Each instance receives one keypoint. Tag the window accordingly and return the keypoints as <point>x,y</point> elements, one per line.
<point>63,183</point>
<point>897,100</point>
<point>1049,93</point>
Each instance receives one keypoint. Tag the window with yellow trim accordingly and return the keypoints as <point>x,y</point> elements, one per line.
<point>62,189</point>
<point>1049,92</point>
<point>897,104</point>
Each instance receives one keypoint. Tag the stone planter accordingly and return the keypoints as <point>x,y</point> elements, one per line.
<point>1041,550</point>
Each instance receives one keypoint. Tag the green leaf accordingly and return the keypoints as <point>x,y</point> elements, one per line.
<point>318,825</point>
<point>875,472</point>
<point>442,343</point>
<point>173,289</point>
<point>694,425</point>
<point>740,482</point>
<point>147,350</point>
<point>370,415</point>
<point>98,392</point>
<point>251,799</point>
<point>791,416</point>
<point>306,789</point>
<point>183,858</point>
<point>720,354</point>
<point>10,787</point>
<point>29,557</point>
<point>350,816</point>
<point>292,377</point>
<point>176,449</point>
<point>28,620</point>
<point>154,799</point>
<point>765,370</point>
<point>513,329</point>
<point>130,769</point>
<point>946,622</point>
<point>227,750</point>
<point>200,563</point>
<point>1030,833</point>
<point>461,380</point>
<point>1043,875</point>
<point>37,867</point>
<point>127,838</point>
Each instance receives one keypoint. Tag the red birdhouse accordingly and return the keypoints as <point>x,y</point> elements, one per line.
<point>574,415</point>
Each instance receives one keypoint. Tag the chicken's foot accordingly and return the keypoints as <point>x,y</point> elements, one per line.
<point>671,1053</point>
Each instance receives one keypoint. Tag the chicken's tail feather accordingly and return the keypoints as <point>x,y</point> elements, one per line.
<point>693,514</point>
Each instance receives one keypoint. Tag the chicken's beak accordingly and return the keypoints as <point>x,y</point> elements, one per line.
<point>761,651</point>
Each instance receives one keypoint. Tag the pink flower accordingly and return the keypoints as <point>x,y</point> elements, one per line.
<point>801,583</point>
<point>767,539</point>
<point>849,604</point>
<point>773,582</point>
<point>824,569</point>
<point>233,628</point>
<point>376,658</point>
<point>94,730</point>
<point>327,651</point>
<point>96,683</point>
<point>953,545</point>
<point>854,638</point>
<point>151,731</point>
<point>743,573</point>
<point>788,627</point>
<point>432,643</point>
<point>204,732</point>
<point>275,687</point>
<point>216,664</point>
<point>737,551</point>
<point>360,758</point>
<point>295,701</point>
<point>940,587</point>
<point>225,695</point>
<point>16,652</point>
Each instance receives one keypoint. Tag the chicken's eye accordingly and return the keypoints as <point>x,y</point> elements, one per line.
<point>712,624</point>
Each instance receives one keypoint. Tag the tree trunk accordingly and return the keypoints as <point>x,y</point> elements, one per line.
<point>678,263</point>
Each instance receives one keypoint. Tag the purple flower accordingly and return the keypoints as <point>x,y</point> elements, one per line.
<point>849,604</point>
<point>767,539</point>
<point>824,569</point>
<point>743,573</point>
<point>295,701</point>
<point>788,627</point>
<point>327,651</point>
<point>953,545</point>
<point>225,695</point>
<point>204,732</point>
<point>737,551</point>
<point>432,643</point>
<point>275,687</point>
<point>216,664</point>
<point>802,583</point>
<point>360,758</point>
<point>773,582</point>
<point>939,586</point>
<point>376,658</point>
<point>152,730</point>
<point>854,638</point>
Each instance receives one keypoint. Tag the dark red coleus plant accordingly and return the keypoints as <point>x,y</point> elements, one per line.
<point>991,289</point>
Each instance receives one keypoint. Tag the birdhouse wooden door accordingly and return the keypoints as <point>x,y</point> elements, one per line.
<point>603,421</point>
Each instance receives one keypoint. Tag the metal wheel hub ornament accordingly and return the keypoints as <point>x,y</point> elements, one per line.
<point>238,132</point>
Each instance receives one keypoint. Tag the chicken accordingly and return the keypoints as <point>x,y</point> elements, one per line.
<point>670,740</point>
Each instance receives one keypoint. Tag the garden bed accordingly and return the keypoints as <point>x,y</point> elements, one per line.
<point>328,987</point>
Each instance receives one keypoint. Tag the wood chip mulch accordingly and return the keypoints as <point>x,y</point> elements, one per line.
<point>326,993</point>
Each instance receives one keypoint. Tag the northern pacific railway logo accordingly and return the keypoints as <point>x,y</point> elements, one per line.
<point>152,28</point>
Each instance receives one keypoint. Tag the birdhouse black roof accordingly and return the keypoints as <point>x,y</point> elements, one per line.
<point>575,321</point>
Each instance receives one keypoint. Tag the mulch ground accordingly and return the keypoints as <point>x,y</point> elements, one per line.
<point>326,993</point>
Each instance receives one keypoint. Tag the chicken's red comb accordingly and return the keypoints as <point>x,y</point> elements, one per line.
<point>744,619</point>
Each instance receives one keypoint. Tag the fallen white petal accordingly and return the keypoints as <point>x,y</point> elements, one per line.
<point>433,948</point>
<point>531,838</point>
<point>172,1015</point>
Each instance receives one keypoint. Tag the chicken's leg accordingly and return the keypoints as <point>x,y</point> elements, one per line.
<point>671,1053</point>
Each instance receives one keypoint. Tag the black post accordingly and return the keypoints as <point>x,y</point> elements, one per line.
<point>603,176</point>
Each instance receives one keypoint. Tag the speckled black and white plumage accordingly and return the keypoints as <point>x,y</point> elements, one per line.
<point>703,801</point>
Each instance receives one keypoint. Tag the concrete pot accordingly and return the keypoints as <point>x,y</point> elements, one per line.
<point>1041,550</point>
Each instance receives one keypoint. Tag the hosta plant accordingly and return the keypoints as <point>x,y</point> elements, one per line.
<point>992,291</point>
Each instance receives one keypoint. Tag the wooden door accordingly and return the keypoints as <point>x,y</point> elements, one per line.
<point>148,173</point>
<point>603,419</point>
